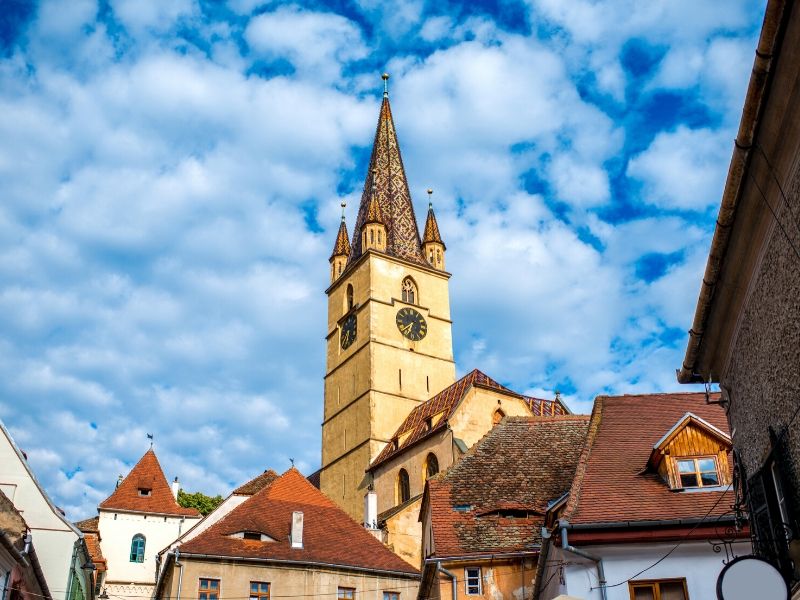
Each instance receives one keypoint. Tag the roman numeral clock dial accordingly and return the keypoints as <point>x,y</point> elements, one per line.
<point>348,332</point>
<point>411,324</point>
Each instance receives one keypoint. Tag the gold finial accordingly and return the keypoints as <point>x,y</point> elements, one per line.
<point>343,205</point>
<point>385,78</point>
<point>430,195</point>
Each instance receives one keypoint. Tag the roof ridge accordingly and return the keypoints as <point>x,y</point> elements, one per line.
<point>583,459</point>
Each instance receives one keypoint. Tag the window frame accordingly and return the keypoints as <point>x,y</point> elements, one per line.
<point>389,595</point>
<point>340,590</point>
<point>207,590</point>
<point>403,478</point>
<point>134,558</point>
<point>468,577</point>
<point>655,585</point>
<point>411,295</point>
<point>427,468</point>
<point>697,472</point>
<point>258,594</point>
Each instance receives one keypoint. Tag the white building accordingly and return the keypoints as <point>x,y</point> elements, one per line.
<point>136,522</point>
<point>649,514</point>
<point>59,545</point>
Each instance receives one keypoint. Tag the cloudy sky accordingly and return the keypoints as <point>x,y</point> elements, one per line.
<point>171,174</point>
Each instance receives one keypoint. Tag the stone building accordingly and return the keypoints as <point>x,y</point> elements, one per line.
<point>482,518</point>
<point>746,330</point>
<point>286,540</point>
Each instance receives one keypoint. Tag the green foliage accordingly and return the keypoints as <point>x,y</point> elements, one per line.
<point>205,504</point>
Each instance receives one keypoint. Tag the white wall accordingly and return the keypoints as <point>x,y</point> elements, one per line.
<point>53,537</point>
<point>695,561</point>
<point>116,532</point>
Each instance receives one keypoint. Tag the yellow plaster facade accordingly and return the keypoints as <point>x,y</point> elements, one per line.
<point>291,581</point>
<point>372,385</point>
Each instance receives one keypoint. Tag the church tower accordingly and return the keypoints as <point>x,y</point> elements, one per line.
<point>389,341</point>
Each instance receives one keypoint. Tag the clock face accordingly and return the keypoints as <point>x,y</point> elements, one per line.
<point>348,332</point>
<point>411,324</point>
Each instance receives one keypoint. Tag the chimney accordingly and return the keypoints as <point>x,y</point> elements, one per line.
<point>371,510</point>
<point>297,529</point>
<point>176,487</point>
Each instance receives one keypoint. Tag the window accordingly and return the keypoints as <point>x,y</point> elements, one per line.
<point>497,416</point>
<point>431,465</point>
<point>391,595</point>
<point>144,492</point>
<point>345,592</point>
<point>209,589</point>
<point>698,472</point>
<point>403,490</point>
<point>673,589</point>
<point>259,590</point>
<point>409,291</point>
<point>137,548</point>
<point>349,296</point>
<point>251,535</point>
<point>472,581</point>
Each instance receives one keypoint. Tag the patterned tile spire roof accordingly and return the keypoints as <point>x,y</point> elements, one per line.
<point>155,496</point>
<point>387,177</point>
<point>342,244</point>
<point>431,228</point>
<point>374,214</point>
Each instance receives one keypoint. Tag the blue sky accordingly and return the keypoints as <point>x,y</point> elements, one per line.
<point>171,176</point>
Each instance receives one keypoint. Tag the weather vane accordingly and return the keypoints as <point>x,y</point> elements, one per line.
<point>343,205</point>
<point>385,78</point>
<point>430,196</point>
<point>150,437</point>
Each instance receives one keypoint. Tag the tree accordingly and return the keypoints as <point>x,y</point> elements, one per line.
<point>204,504</point>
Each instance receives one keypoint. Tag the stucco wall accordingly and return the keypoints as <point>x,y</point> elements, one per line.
<point>294,582</point>
<point>695,561</point>
<point>500,579</point>
<point>117,530</point>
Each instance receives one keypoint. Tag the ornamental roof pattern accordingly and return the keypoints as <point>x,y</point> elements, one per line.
<point>374,214</point>
<point>146,474</point>
<point>431,229</point>
<point>342,244</point>
<point>387,177</point>
<point>486,503</point>
<point>613,483</point>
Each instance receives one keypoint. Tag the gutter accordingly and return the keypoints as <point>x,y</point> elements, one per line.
<point>601,575</point>
<point>278,561</point>
<point>474,557</point>
<point>547,537</point>
<point>760,80</point>
<point>27,557</point>
<point>648,524</point>
<point>453,581</point>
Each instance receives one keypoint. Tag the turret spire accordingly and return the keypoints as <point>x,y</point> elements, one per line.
<point>386,184</point>
<point>432,243</point>
<point>341,249</point>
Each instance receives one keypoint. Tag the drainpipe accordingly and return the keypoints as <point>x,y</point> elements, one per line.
<point>441,569</point>
<point>180,575</point>
<point>601,575</point>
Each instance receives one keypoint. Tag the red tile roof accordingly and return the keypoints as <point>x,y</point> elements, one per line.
<point>146,474</point>
<point>613,483</point>
<point>415,427</point>
<point>495,498</point>
<point>256,484</point>
<point>329,535</point>
<point>91,535</point>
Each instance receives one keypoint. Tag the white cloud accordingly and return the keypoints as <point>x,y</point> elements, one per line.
<point>683,169</point>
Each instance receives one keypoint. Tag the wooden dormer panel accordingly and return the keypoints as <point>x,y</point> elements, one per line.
<point>691,440</point>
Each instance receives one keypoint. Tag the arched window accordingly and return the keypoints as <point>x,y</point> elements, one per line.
<point>349,296</point>
<point>137,548</point>
<point>403,487</point>
<point>431,465</point>
<point>409,291</point>
<point>498,416</point>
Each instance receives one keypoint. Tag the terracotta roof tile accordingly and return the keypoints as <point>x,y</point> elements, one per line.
<point>416,427</point>
<point>256,484</point>
<point>91,535</point>
<point>612,482</point>
<point>374,214</point>
<point>329,535</point>
<point>146,474</point>
<point>313,479</point>
<point>90,525</point>
<point>431,228</point>
<point>495,498</point>
<point>342,245</point>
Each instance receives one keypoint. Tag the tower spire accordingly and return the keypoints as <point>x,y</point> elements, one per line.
<point>341,249</point>
<point>386,183</point>
<point>432,243</point>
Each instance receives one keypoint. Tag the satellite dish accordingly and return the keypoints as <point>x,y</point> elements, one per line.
<point>748,577</point>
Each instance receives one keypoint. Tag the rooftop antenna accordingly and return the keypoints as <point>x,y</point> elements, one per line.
<point>150,437</point>
<point>385,78</point>
<point>430,198</point>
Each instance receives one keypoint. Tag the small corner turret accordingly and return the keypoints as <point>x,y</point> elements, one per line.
<point>373,235</point>
<point>432,244</point>
<point>341,250</point>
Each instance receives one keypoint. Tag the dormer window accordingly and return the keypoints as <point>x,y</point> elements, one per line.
<point>698,472</point>
<point>144,492</point>
<point>255,536</point>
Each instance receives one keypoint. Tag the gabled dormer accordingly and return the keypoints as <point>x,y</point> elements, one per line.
<point>692,455</point>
